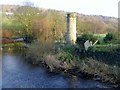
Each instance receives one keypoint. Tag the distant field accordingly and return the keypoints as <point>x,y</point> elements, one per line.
<point>100,35</point>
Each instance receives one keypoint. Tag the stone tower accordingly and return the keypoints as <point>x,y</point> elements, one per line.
<point>71,28</point>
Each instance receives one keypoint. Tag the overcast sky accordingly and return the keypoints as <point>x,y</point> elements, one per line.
<point>89,7</point>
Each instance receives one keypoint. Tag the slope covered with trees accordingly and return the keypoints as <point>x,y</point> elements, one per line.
<point>56,20</point>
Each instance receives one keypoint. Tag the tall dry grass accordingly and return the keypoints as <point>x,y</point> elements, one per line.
<point>101,70</point>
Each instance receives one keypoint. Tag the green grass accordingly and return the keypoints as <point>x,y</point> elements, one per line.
<point>16,27</point>
<point>100,35</point>
<point>105,47</point>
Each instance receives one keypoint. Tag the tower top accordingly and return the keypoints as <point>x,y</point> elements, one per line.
<point>71,14</point>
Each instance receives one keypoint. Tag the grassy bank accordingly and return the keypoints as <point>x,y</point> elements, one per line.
<point>76,61</point>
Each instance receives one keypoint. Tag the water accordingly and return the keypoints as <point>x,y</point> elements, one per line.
<point>18,74</point>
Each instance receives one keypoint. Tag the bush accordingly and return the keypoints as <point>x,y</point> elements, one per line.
<point>83,38</point>
<point>109,54</point>
<point>66,57</point>
<point>108,37</point>
<point>110,48</point>
<point>112,38</point>
<point>38,50</point>
<point>28,39</point>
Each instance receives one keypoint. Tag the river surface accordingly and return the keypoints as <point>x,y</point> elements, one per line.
<point>18,74</point>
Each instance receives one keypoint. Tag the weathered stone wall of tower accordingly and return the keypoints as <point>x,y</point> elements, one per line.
<point>71,28</point>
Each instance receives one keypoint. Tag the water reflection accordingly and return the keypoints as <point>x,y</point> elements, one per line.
<point>72,80</point>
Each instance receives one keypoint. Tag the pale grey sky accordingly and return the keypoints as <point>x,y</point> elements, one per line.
<point>89,7</point>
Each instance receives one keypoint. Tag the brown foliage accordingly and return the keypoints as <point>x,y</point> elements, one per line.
<point>42,30</point>
<point>7,41</point>
<point>7,34</point>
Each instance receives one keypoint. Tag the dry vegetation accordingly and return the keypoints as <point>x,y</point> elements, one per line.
<point>100,70</point>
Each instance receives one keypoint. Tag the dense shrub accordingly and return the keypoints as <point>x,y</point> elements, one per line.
<point>108,37</point>
<point>110,48</point>
<point>109,54</point>
<point>65,57</point>
<point>38,50</point>
<point>84,37</point>
<point>28,39</point>
<point>112,38</point>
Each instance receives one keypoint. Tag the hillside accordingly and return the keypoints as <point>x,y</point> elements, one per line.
<point>85,23</point>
